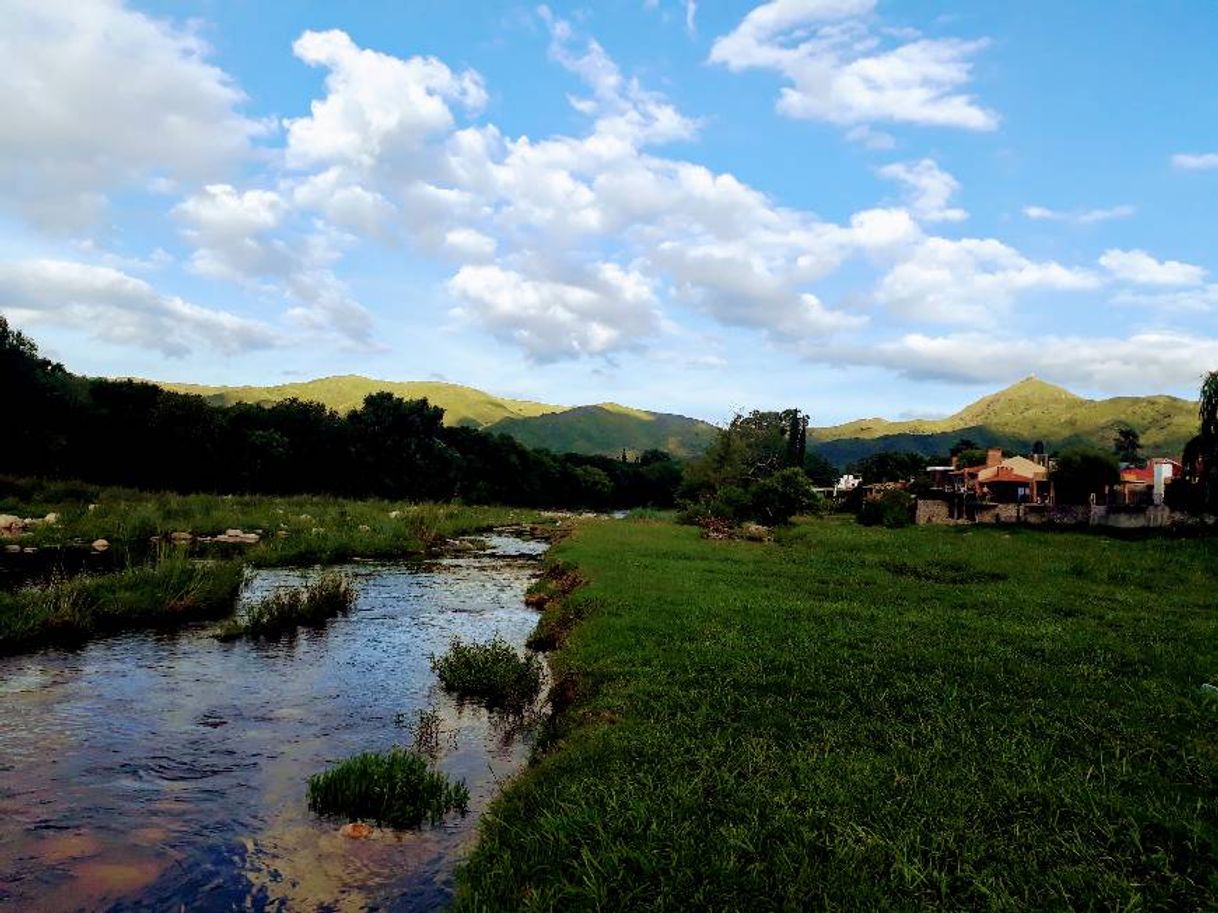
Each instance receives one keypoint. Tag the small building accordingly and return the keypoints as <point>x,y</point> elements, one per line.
<point>1142,485</point>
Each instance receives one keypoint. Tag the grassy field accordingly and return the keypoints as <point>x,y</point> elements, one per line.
<point>871,719</point>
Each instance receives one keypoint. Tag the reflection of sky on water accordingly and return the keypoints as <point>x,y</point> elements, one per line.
<point>151,770</point>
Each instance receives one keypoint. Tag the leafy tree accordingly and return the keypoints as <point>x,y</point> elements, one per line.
<point>820,470</point>
<point>1127,446</point>
<point>971,457</point>
<point>889,466</point>
<point>962,445</point>
<point>783,495</point>
<point>1083,472</point>
<point>1201,453</point>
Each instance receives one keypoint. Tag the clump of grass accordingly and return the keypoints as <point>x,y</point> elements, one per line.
<point>492,672</point>
<point>397,788</point>
<point>426,727</point>
<point>286,610</point>
<point>169,591</point>
<point>954,572</point>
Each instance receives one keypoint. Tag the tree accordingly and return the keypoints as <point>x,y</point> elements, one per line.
<point>1201,453</point>
<point>1127,444</point>
<point>820,470</point>
<point>1083,472</point>
<point>783,495</point>
<point>962,445</point>
<point>889,466</point>
<point>973,456</point>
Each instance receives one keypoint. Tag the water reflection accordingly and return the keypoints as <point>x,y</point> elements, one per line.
<point>154,771</point>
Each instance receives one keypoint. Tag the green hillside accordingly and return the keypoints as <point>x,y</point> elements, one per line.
<point>610,428</point>
<point>1031,410</point>
<point>462,405</point>
<point>606,428</point>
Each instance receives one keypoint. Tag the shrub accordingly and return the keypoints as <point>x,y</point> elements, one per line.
<point>286,610</point>
<point>493,673</point>
<point>780,497</point>
<point>891,509</point>
<point>397,788</point>
<point>1082,472</point>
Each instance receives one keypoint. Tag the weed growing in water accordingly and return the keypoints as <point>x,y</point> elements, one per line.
<point>286,610</point>
<point>396,788</point>
<point>493,673</point>
<point>427,729</point>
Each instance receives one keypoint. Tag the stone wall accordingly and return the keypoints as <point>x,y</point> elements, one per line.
<point>1149,517</point>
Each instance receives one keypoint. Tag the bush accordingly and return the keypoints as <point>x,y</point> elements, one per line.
<point>286,610</point>
<point>783,495</point>
<point>1083,472</point>
<point>397,788</point>
<point>891,509</point>
<point>493,673</point>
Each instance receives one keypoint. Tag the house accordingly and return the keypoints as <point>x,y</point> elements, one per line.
<point>1146,484</point>
<point>1004,480</point>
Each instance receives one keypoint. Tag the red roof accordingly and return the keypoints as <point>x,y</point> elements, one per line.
<point>1006,474</point>
<point>1146,474</point>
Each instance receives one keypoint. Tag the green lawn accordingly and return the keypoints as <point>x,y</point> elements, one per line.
<point>867,719</point>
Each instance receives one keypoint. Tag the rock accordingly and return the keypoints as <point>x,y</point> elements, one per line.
<point>365,528</point>
<point>317,530</point>
<point>52,518</point>
<point>234,532</point>
<point>755,532</point>
<point>30,550</point>
<point>394,514</point>
<point>356,830</point>
<point>100,545</point>
<point>180,537</point>
<point>13,549</point>
<point>281,534</point>
<point>92,507</point>
<point>10,525</point>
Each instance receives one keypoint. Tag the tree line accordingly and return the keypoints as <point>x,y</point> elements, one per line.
<point>122,432</point>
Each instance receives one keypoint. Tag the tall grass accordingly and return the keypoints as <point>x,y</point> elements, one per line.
<point>859,718</point>
<point>286,610</point>
<point>492,672</point>
<point>397,788</point>
<point>169,591</point>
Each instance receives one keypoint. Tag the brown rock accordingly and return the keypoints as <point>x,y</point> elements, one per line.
<point>356,830</point>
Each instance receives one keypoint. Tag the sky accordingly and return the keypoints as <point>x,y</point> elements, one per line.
<point>856,207</point>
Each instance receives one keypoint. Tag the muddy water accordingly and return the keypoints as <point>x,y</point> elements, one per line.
<point>154,772</point>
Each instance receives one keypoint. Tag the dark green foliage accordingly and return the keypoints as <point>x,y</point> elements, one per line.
<point>492,673</point>
<point>387,448</point>
<point>894,466</point>
<point>286,610</point>
<point>1200,488</point>
<point>169,591</point>
<point>1081,473</point>
<point>970,457</point>
<point>1127,445</point>
<point>783,495</point>
<point>950,572</point>
<point>396,788</point>
<point>819,470</point>
<point>891,509</point>
<point>797,727</point>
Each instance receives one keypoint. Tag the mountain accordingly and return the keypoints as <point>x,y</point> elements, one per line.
<point>606,428</point>
<point>1028,411</point>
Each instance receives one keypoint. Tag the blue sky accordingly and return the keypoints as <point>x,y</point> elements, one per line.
<point>855,206</point>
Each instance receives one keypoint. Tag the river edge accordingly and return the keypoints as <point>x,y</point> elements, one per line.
<point>504,755</point>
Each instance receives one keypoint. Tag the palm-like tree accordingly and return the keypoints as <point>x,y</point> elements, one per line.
<point>1201,453</point>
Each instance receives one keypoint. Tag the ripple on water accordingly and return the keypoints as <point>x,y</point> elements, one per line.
<point>152,771</point>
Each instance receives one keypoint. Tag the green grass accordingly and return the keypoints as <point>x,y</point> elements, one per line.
<point>286,610</point>
<point>396,788</point>
<point>297,530</point>
<point>868,719</point>
<point>167,592</point>
<point>492,673</point>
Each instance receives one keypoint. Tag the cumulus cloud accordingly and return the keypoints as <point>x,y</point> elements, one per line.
<point>1078,216</point>
<point>841,71</point>
<point>98,97</point>
<point>118,308</point>
<point>605,311</point>
<point>929,189</point>
<point>1140,267</point>
<point>1204,161</point>
<point>1151,359</point>
<point>969,279</point>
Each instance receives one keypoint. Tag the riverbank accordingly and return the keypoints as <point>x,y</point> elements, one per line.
<point>860,718</point>
<point>97,560</point>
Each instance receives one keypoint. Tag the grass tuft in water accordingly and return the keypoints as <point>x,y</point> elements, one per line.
<point>492,672</point>
<point>397,788</point>
<point>171,590</point>
<point>286,610</point>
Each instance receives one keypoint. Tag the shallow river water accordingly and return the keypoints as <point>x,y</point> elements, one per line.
<point>167,772</point>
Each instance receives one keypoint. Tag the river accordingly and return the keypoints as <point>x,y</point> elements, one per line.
<point>166,772</point>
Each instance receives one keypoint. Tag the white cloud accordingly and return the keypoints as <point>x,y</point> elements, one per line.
<point>470,244</point>
<point>871,138</point>
<point>607,310</point>
<point>1204,161</point>
<point>118,308</point>
<point>1148,360</point>
<point>379,109</point>
<point>929,189</point>
<point>1078,216</point>
<point>96,98</point>
<point>1140,267</point>
<point>840,72</point>
<point>969,280</point>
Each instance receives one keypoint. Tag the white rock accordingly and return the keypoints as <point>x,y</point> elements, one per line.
<point>100,545</point>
